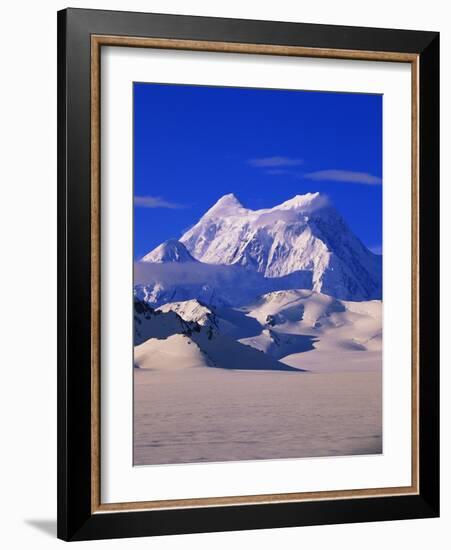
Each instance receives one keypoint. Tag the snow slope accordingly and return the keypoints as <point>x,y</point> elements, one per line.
<point>176,352</point>
<point>343,335</point>
<point>284,322</point>
<point>163,340</point>
<point>301,328</point>
<point>335,324</point>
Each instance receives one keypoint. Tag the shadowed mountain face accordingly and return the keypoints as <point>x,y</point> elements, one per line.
<point>183,343</point>
<point>270,333</point>
<point>301,243</point>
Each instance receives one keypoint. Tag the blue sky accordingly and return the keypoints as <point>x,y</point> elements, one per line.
<point>193,144</point>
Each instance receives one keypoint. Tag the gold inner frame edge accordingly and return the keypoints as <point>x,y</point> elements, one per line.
<point>97,41</point>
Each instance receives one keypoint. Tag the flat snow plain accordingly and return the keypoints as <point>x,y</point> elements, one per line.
<point>188,411</point>
<point>210,415</point>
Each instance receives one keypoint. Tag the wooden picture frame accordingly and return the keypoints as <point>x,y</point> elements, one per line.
<point>81,35</point>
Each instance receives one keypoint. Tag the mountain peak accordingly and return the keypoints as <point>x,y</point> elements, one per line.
<point>229,199</point>
<point>226,205</point>
<point>305,203</point>
<point>170,251</point>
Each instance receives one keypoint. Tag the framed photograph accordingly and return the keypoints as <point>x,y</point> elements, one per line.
<point>248,274</point>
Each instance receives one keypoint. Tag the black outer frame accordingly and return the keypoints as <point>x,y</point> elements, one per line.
<point>75,520</point>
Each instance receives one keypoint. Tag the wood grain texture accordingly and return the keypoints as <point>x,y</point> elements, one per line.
<point>95,276</point>
<point>262,49</point>
<point>97,41</point>
<point>255,499</point>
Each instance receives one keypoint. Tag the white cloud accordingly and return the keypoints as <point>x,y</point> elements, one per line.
<point>156,202</point>
<point>347,176</point>
<point>271,162</point>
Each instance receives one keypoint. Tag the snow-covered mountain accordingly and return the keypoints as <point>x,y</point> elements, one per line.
<point>169,251</point>
<point>291,321</point>
<point>335,324</point>
<point>193,311</point>
<point>149,323</point>
<point>299,328</point>
<point>305,233</point>
<point>163,340</point>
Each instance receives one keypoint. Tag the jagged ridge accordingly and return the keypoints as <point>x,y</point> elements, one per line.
<point>303,233</point>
